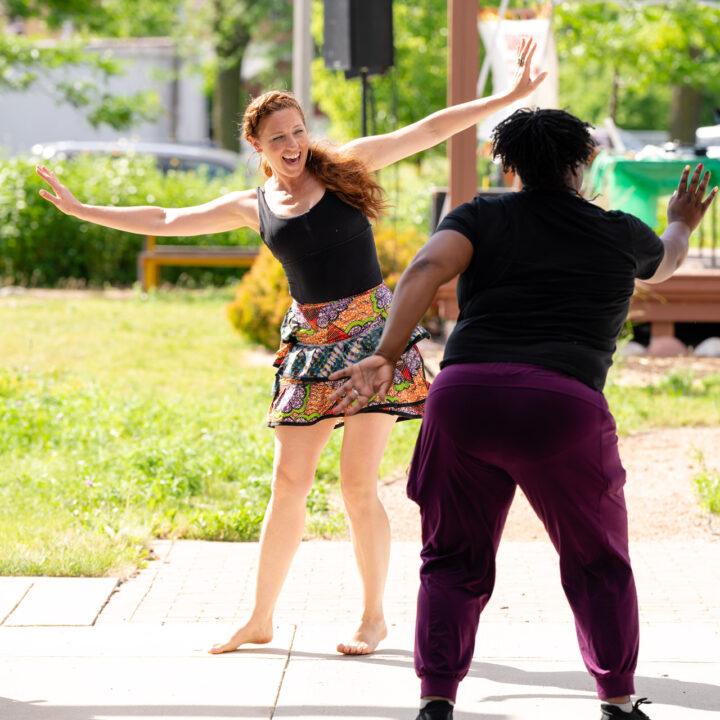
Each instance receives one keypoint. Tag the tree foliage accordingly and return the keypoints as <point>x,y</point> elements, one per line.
<point>109,18</point>
<point>623,59</point>
<point>230,26</point>
<point>651,44</point>
<point>27,61</point>
<point>226,28</point>
<point>415,87</point>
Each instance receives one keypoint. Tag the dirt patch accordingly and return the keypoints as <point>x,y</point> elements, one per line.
<point>649,370</point>
<point>659,492</point>
<point>660,467</point>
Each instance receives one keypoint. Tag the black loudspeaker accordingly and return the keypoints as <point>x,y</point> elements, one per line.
<point>358,36</point>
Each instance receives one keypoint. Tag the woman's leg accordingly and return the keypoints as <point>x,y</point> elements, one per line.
<point>364,441</point>
<point>297,451</point>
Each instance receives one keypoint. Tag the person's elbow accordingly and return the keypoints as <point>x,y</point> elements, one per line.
<point>676,250</point>
<point>428,271</point>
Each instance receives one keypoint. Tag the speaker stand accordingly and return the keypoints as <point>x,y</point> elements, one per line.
<point>364,76</point>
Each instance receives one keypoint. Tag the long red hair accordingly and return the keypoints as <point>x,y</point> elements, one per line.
<point>339,171</point>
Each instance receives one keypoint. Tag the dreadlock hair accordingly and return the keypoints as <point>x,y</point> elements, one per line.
<point>339,171</point>
<point>542,146</point>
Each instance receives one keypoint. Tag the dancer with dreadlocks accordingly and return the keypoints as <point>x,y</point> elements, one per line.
<point>545,284</point>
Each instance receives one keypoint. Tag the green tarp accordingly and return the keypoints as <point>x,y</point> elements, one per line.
<point>635,185</point>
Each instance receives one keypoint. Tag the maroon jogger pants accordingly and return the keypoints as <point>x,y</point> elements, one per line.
<point>487,428</point>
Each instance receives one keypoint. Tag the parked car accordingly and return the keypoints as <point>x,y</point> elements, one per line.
<point>169,156</point>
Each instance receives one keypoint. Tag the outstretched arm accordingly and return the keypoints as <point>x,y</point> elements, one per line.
<point>685,211</point>
<point>382,150</point>
<point>237,209</point>
<point>446,254</point>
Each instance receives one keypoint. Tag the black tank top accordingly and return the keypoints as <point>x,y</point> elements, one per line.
<point>327,253</point>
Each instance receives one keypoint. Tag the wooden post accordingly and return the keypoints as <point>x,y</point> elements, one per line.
<point>662,328</point>
<point>462,86</point>
<point>148,270</point>
<point>462,148</point>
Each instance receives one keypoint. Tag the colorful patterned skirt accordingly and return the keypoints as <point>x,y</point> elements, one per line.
<point>321,338</point>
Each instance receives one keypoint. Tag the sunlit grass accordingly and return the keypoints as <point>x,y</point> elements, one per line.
<point>707,485</point>
<point>678,400</point>
<point>128,419</point>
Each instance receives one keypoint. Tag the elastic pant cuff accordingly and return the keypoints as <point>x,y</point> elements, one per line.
<point>615,686</point>
<point>444,687</point>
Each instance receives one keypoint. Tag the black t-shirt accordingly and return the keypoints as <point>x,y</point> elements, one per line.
<point>549,283</point>
<point>327,253</point>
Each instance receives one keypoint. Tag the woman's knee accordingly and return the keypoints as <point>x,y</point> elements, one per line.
<point>291,484</point>
<point>359,494</point>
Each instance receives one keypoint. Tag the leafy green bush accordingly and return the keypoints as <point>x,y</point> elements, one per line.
<point>262,296</point>
<point>41,246</point>
<point>707,486</point>
<point>261,301</point>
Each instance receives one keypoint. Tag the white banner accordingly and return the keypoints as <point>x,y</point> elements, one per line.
<point>501,41</point>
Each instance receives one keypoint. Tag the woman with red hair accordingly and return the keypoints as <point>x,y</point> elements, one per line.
<point>313,213</point>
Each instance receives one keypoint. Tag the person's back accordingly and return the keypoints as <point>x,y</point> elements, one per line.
<point>545,283</point>
<point>549,283</point>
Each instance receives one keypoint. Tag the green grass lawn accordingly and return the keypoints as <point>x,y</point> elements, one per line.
<point>128,419</point>
<point>124,420</point>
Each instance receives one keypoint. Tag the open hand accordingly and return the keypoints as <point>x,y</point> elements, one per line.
<point>522,84</point>
<point>63,199</point>
<point>369,378</point>
<point>688,204</point>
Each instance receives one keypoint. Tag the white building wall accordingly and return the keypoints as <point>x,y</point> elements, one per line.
<point>35,115</point>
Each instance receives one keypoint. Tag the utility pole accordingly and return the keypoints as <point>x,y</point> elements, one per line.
<point>302,54</point>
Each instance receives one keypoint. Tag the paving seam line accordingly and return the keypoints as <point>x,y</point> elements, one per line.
<point>105,604</point>
<point>166,559</point>
<point>284,670</point>
<point>17,604</point>
<point>149,587</point>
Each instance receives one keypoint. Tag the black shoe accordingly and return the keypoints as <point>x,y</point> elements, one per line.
<point>438,710</point>
<point>612,712</point>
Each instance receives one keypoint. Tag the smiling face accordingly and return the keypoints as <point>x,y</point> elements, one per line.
<point>283,140</point>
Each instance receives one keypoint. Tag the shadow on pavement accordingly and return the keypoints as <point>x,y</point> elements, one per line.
<point>39,710</point>
<point>665,690</point>
<point>35,710</point>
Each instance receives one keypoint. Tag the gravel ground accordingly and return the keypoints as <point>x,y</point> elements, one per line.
<point>659,491</point>
<point>660,466</point>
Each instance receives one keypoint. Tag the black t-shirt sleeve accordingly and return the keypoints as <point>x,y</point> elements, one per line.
<point>648,248</point>
<point>463,220</point>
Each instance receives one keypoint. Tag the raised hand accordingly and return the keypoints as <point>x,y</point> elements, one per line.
<point>688,204</point>
<point>368,378</point>
<point>522,84</point>
<point>63,199</point>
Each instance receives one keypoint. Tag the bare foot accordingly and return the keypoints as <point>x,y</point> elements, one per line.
<point>246,634</point>
<point>365,639</point>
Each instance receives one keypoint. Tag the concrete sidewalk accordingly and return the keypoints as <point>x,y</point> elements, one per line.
<point>86,650</point>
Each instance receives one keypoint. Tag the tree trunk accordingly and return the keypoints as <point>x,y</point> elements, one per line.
<point>685,110</point>
<point>614,93</point>
<point>685,114</point>
<point>227,108</point>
